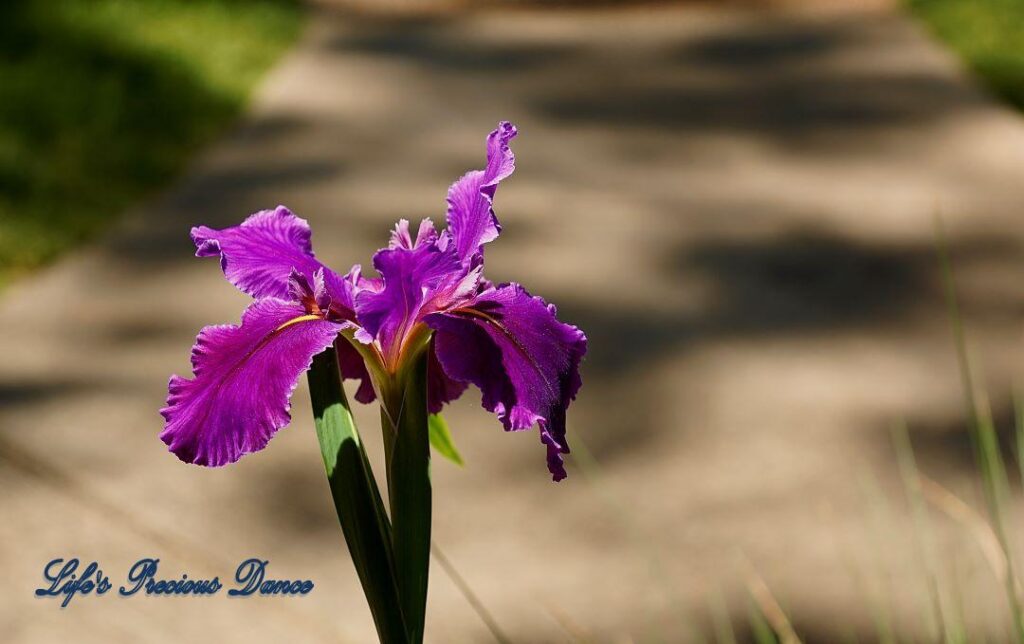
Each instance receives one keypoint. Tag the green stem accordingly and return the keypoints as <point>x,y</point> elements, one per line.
<point>407,446</point>
<point>356,498</point>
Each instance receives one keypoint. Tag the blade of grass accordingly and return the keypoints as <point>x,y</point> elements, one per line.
<point>574,630</point>
<point>471,597</point>
<point>956,322</point>
<point>870,585</point>
<point>997,494</point>
<point>956,605</point>
<point>956,509</point>
<point>1018,417</point>
<point>923,532</point>
<point>724,633</point>
<point>768,606</point>
<point>588,464</point>
<point>983,435</point>
<point>759,628</point>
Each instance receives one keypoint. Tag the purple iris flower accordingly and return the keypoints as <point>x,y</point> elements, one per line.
<point>430,286</point>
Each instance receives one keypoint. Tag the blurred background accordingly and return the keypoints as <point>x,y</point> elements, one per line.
<point>737,201</point>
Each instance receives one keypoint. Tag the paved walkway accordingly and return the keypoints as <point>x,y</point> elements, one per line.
<point>737,208</point>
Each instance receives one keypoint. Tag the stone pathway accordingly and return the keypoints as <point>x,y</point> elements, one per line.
<point>738,209</point>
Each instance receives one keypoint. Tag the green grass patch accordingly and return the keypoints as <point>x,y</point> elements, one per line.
<point>104,100</point>
<point>988,35</point>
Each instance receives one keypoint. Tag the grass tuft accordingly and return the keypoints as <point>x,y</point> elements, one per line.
<point>987,34</point>
<point>104,100</point>
<point>983,436</point>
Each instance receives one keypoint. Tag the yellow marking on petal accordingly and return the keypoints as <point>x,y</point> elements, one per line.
<point>480,314</point>
<point>301,318</point>
<point>265,340</point>
<point>240,363</point>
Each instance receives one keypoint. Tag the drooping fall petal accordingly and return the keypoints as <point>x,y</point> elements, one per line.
<point>243,379</point>
<point>471,219</point>
<point>525,362</point>
<point>259,254</point>
<point>441,389</point>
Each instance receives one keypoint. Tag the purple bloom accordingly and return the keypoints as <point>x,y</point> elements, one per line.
<point>500,338</point>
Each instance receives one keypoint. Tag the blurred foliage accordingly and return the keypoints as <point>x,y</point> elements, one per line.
<point>988,34</point>
<point>102,100</point>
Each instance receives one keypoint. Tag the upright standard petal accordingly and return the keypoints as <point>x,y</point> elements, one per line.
<point>410,279</point>
<point>402,238</point>
<point>258,255</point>
<point>525,362</point>
<point>243,379</point>
<point>471,219</point>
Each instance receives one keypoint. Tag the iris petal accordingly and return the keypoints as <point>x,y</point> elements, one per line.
<point>258,255</point>
<point>525,362</point>
<point>471,219</point>
<point>441,389</point>
<point>243,379</point>
<point>410,280</point>
<point>402,238</point>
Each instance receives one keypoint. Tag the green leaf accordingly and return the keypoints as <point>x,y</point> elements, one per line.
<point>356,498</point>
<point>441,439</point>
<point>410,493</point>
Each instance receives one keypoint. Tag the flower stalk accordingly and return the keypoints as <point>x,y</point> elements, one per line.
<point>409,489</point>
<point>357,500</point>
<point>391,556</point>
